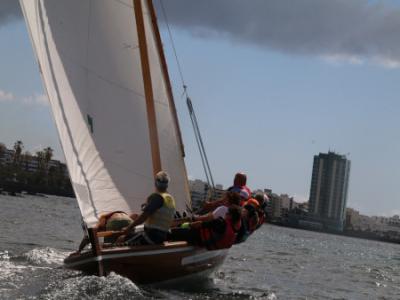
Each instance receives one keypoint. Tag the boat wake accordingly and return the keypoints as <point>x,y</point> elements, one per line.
<point>18,277</point>
<point>11,275</point>
<point>45,257</point>
<point>38,274</point>
<point>92,287</point>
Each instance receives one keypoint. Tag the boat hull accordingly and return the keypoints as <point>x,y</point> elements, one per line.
<point>170,262</point>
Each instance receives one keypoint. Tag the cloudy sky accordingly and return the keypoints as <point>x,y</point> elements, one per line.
<point>274,82</point>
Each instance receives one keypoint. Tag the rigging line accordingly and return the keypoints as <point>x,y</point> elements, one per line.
<point>173,45</point>
<point>193,117</point>
<point>204,150</point>
<point>206,171</point>
<point>196,134</point>
<point>201,147</point>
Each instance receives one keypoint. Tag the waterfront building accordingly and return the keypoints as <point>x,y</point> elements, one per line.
<point>7,156</point>
<point>381,226</point>
<point>274,208</point>
<point>286,201</point>
<point>219,192</point>
<point>394,221</point>
<point>329,188</point>
<point>32,163</point>
<point>200,192</point>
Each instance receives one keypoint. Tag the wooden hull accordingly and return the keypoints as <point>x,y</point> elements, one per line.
<point>170,262</point>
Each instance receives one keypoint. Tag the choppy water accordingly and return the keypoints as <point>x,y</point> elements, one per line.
<point>275,263</point>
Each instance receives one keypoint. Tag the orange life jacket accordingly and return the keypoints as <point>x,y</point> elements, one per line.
<point>213,241</point>
<point>261,215</point>
<point>253,202</point>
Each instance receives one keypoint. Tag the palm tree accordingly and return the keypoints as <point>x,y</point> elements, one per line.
<point>40,174</point>
<point>18,147</point>
<point>41,160</point>
<point>48,155</point>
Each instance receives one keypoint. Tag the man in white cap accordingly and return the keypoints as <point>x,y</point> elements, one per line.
<point>157,216</point>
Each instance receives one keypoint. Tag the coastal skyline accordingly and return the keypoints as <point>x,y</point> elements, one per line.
<point>266,102</point>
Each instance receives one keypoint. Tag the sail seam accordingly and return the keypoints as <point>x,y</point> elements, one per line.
<point>62,109</point>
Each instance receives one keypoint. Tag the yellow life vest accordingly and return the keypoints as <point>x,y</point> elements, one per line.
<point>162,218</point>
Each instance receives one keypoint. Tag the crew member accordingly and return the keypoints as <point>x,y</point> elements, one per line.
<point>158,215</point>
<point>112,221</point>
<point>221,207</point>
<point>218,233</point>
<point>239,183</point>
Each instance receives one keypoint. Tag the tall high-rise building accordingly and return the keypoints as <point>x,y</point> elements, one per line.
<point>329,186</point>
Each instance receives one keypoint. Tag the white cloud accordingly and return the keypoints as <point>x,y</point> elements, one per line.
<point>36,99</point>
<point>387,63</point>
<point>339,59</point>
<point>300,198</point>
<point>6,96</point>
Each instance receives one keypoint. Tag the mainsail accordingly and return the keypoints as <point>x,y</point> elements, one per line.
<point>89,57</point>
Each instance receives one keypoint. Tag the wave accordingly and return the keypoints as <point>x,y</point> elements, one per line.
<point>37,274</point>
<point>92,287</point>
<point>24,273</point>
<point>45,256</point>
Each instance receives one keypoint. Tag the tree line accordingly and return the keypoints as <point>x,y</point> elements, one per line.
<point>32,173</point>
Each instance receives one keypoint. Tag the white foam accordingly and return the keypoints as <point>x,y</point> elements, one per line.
<point>272,296</point>
<point>4,255</point>
<point>92,287</point>
<point>11,276</point>
<point>45,256</point>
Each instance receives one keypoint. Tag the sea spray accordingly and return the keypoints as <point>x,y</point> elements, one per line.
<point>45,256</point>
<point>112,286</point>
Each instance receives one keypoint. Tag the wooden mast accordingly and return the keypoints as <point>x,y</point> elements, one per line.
<point>148,88</point>
<point>165,73</point>
<point>171,101</point>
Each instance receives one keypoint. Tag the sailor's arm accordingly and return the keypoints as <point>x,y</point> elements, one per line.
<point>207,217</point>
<point>127,230</point>
<point>140,220</point>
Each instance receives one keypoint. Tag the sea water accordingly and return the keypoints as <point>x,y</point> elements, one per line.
<point>275,263</point>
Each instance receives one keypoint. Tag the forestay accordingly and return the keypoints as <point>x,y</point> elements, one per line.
<point>89,58</point>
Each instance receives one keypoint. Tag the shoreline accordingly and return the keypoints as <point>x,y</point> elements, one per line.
<point>352,234</point>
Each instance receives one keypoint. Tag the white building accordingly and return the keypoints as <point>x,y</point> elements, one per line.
<point>200,192</point>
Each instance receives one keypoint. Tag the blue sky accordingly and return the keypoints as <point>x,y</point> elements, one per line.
<point>262,108</point>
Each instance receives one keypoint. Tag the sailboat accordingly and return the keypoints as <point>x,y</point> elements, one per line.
<point>105,74</point>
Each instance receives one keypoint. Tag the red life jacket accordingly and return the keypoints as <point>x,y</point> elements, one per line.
<point>213,241</point>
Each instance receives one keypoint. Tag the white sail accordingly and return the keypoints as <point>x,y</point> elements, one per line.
<point>88,54</point>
